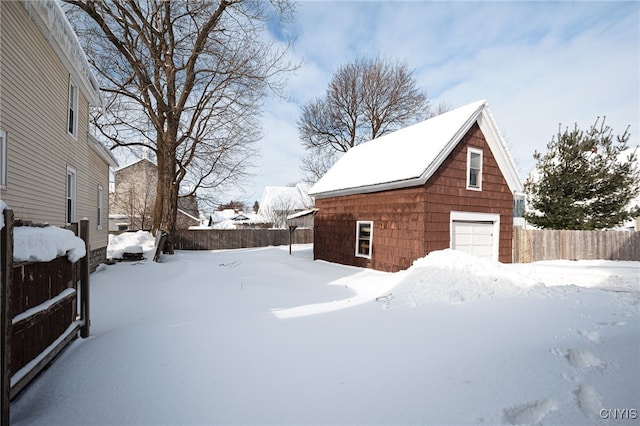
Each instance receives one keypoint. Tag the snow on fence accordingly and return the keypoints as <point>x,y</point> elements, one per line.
<point>221,239</point>
<point>39,311</point>
<point>531,245</point>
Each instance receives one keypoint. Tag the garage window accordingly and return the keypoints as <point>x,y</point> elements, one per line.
<point>364,238</point>
<point>474,169</point>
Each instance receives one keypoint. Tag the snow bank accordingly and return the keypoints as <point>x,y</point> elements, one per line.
<point>256,336</point>
<point>45,244</point>
<point>453,276</point>
<point>118,244</point>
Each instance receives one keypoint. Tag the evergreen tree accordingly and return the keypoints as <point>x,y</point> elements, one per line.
<point>584,181</point>
<point>256,206</point>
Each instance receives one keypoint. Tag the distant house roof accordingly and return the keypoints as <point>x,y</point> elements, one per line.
<point>289,198</point>
<point>409,156</point>
<point>189,206</point>
<point>137,162</point>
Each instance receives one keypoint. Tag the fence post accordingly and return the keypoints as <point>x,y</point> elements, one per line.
<point>6,274</point>
<point>84,280</point>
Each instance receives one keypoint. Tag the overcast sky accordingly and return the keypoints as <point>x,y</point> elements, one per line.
<point>537,64</point>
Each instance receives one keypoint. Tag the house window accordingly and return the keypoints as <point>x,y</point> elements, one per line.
<point>72,119</point>
<point>71,195</point>
<point>474,169</point>
<point>99,207</point>
<point>518,206</point>
<point>3,159</point>
<point>364,238</point>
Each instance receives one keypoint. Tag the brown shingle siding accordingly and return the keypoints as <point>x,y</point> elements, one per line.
<point>411,222</point>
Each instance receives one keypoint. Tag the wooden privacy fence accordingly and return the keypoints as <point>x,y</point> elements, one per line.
<point>40,315</point>
<point>531,245</point>
<point>220,239</point>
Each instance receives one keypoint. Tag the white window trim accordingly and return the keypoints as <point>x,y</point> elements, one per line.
<point>73,105</point>
<point>100,206</point>
<point>478,217</point>
<point>363,222</point>
<point>3,159</point>
<point>74,195</point>
<point>469,152</point>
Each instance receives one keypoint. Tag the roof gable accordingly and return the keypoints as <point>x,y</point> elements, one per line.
<point>276,198</point>
<point>409,156</point>
<point>145,162</point>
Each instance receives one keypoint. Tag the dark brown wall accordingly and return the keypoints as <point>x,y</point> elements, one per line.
<point>398,228</point>
<point>446,192</point>
<point>411,222</point>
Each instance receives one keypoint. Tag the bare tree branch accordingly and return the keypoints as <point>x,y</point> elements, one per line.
<point>186,80</point>
<point>365,99</point>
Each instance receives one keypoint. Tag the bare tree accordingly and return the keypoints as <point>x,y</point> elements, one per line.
<point>134,196</point>
<point>365,99</point>
<point>135,202</point>
<point>186,78</point>
<point>278,211</point>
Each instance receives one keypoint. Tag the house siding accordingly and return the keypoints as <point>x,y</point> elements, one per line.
<point>134,198</point>
<point>34,99</point>
<point>446,192</point>
<point>398,223</point>
<point>409,223</point>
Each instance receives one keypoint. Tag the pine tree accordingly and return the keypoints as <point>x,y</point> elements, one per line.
<point>256,206</point>
<point>584,181</point>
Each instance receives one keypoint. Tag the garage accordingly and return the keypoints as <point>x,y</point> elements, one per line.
<point>475,233</point>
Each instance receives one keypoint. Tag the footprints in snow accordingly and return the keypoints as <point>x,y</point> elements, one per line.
<point>529,413</point>
<point>580,358</point>
<point>592,336</point>
<point>585,396</point>
<point>589,401</point>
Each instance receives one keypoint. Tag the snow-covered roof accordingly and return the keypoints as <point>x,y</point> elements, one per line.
<point>302,213</point>
<point>289,198</point>
<point>50,19</point>
<point>136,162</point>
<point>409,156</point>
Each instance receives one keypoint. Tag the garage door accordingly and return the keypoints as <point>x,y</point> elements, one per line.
<point>475,238</point>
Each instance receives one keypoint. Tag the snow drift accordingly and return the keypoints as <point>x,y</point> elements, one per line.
<point>452,276</point>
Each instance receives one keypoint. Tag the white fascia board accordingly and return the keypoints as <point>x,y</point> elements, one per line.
<point>103,152</point>
<point>499,149</point>
<point>51,21</point>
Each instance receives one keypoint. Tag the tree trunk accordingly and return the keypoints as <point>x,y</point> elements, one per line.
<point>166,208</point>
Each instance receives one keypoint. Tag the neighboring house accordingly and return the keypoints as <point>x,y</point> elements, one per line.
<point>51,170</point>
<point>447,182</point>
<point>133,199</point>
<point>633,224</point>
<point>278,202</point>
<point>234,219</point>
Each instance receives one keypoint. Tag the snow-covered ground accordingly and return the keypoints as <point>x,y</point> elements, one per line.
<point>260,337</point>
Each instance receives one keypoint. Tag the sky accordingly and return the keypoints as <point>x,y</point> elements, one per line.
<point>538,64</point>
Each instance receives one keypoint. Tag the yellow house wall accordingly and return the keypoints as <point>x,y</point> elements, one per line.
<point>34,87</point>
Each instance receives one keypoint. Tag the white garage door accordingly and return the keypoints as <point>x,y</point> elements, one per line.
<point>475,238</point>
